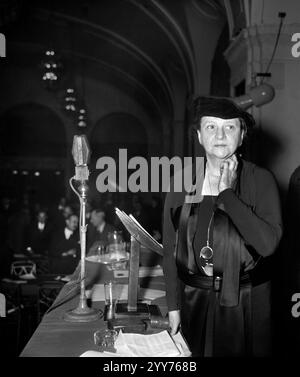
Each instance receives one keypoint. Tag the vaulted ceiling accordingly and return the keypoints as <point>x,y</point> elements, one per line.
<point>132,44</point>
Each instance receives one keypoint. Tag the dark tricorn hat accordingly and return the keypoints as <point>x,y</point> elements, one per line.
<point>221,108</point>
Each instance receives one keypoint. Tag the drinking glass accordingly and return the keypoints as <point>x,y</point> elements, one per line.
<point>105,339</point>
<point>112,293</point>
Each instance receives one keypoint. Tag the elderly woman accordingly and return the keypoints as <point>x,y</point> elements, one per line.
<point>217,251</point>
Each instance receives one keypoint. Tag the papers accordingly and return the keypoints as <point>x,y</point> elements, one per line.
<point>138,232</point>
<point>143,272</point>
<point>154,345</point>
<point>7,280</point>
<point>99,354</point>
<point>27,276</point>
<point>145,231</point>
<point>66,278</point>
<point>181,344</point>
<point>97,293</point>
<point>109,258</point>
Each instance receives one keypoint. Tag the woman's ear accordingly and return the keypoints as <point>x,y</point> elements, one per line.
<point>199,136</point>
<point>243,133</point>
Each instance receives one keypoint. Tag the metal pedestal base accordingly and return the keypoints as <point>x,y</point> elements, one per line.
<point>143,311</point>
<point>82,315</point>
<point>138,321</point>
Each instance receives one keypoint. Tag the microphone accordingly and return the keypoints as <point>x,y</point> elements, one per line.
<point>81,155</point>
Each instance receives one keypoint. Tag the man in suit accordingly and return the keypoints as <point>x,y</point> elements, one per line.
<point>64,247</point>
<point>39,234</point>
<point>97,230</point>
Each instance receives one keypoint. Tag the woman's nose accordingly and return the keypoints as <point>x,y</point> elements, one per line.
<point>220,133</point>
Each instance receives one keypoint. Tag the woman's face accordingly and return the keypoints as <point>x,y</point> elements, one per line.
<point>220,137</point>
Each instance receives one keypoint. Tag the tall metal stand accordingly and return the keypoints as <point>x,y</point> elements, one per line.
<point>133,315</point>
<point>82,313</point>
<point>133,281</point>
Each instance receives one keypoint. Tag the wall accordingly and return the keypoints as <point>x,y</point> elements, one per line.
<point>250,53</point>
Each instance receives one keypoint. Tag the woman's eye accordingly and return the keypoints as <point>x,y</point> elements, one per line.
<point>230,127</point>
<point>210,126</point>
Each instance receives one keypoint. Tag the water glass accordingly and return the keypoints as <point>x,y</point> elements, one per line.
<point>112,294</point>
<point>105,339</point>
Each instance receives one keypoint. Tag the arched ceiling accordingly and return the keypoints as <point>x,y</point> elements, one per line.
<point>131,44</point>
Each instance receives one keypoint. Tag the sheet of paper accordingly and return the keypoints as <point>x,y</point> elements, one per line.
<point>140,345</point>
<point>145,231</point>
<point>7,280</point>
<point>99,354</point>
<point>97,293</point>
<point>178,339</point>
<point>136,230</point>
<point>143,272</point>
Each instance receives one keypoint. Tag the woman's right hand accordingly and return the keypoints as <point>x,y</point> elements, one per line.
<point>174,321</point>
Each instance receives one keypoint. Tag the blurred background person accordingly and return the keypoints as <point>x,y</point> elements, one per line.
<point>98,229</point>
<point>64,247</point>
<point>155,218</point>
<point>39,233</point>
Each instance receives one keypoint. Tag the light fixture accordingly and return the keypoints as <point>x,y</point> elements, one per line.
<point>82,111</point>
<point>257,96</point>
<point>51,68</point>
<point>82,118</point>
<point>70,102</point>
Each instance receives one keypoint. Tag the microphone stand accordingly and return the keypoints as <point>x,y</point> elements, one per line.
<point>82,313</point>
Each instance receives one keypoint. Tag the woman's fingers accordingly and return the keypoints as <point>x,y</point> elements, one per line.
<point>235,159</point>
<point>224,170</point>
<point>174,321</point>
<point>233,162</point>
<point>228,173</point>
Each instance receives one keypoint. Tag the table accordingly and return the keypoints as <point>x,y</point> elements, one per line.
<point>57,338</point>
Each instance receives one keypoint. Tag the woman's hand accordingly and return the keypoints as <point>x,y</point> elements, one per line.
<point>228,173</point>
<point>174,321</point>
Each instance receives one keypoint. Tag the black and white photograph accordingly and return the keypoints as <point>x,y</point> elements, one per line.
<point>150,182</point>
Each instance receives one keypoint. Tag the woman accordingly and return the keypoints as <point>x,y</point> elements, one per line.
<point>217,271</point>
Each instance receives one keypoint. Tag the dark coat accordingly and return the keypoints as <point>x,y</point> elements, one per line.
<point>39,240</point>
<point>60,264</point>
<point>93,235</point>
<point>255,211</point>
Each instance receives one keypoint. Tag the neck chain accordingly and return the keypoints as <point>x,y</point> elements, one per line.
<point>206,253</point>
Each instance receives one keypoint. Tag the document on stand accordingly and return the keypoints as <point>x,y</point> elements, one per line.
<point>138,232</point>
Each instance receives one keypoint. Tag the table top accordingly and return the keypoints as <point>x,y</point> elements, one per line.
<point>55,337</point>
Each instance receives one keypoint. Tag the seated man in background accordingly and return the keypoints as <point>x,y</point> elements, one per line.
<point>98,230</point>
<point>39,234</point>
<point>64,247</point>
<point>60,213</point>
